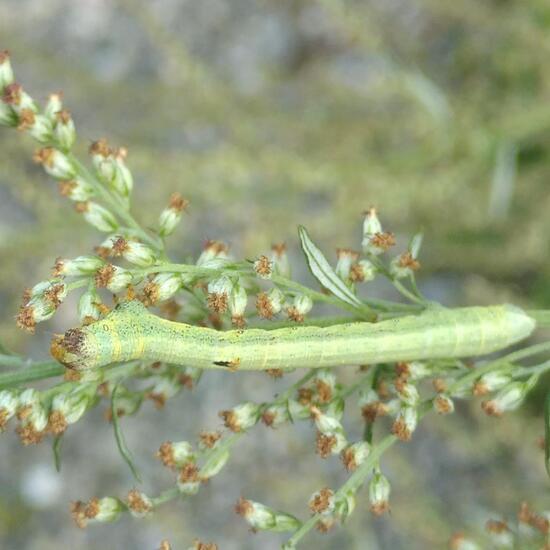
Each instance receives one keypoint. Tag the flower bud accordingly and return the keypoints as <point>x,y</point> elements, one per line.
<point>34,419</point>
<point>371,223</point>
<point>18,99</point>
<point>8,407</point>
<point>406,392</point>
<point>322,502</point>
<point>175,455</point>
<point>139,504</point>
<point>325,382</point>
<point>104,510</point>
<point>139,254</point>
<point>490,382</point>
<point>218,294</point>
<point>268,304</point>
<point>53,106</point>
<point>508,399</point>
<point>324,423</point>
<point>64,131</point>
<point>263,267</point>
<point>165,388</point>
<point>242,417</point>
<point>405,423</point>
<point>403,265</point>
<point>275,415</point>
<point>67,409</point>
<point>189,480</point>
<point>279,258</point>
<point>262,518</point>
<point>345,259</point>
<point>88,307</point>
<point>209,440</point>
<point>76,189</point>
<point>171,216</point>
<point>301,306</point>
<point>55,163</point>
<point>6,71</point>
<point>355,454</point>
<point>443,404</point>
<point>38,127</point>
<point>362,271</point>
<point>379,494</point>
<point>122,180</point>
<point>97,215</point>
<point>36,310</point>
<point>413,370</point>
<point>214,255</point>
<point>237,305</point>
<point>81,265</point>
<point>113,277</point>
<point>161,287</point>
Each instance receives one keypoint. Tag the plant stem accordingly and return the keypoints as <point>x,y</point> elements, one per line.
<point>36,371</point>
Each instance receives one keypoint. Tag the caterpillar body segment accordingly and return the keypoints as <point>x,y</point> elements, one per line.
<point>131,332</point>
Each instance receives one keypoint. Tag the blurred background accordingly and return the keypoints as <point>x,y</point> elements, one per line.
<point>266,114</point>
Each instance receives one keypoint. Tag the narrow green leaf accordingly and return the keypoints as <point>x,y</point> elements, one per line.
<point>547,433</point>
<point>119,436</point>
<point>323,272</point>
<point>56,448</point>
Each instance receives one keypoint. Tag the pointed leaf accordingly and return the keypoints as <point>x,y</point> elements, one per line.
<point>119,436</point>
<point>323,272</point>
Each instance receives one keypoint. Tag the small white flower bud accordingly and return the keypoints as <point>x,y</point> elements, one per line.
<point>326,424</point>
<point>407,392</point>
<point>139,254</point>
<point>76,189</point>
<point>460,542</point>
<point>242,417</point>
<point>55,163</point>
<point>18,99</point>
<point>362,271</point>
<point>403,265</point>
<point>53,106</point>
<point>88,307</point>
<point>219,291</point>
<point>443,404</point>
<point>171,215</point>
<point>139,504</point>
<point>113,277</point>
<point>500,534</point>
<point>122,181</point>
<point>165,388</point>
<point>263,267</point>
<point>413,370</point>
<point>262,518</point>
<point>325,383</point>
<point>175,455</point>
<point>162,287</point>
<point>303,304</point>
<point>322,502</point>
<point>276,415</point>
<point>237,301</point>
<point>371,223</point>
<point>345,259</point>
<point>508,399</point>
<point>405,423</point>
<point>8,406</point>
<point>268,304</point>
<point>98,216</point>
<point>214,255</point>
<point>104,510</point>
<point>64,131</point>
<point>81,265</point>
<point>490,382</point>
<point>355,454</point>
<point>6,71</point>
<point>379,494</point>
<point>38,127</point>
<point>279,257</point>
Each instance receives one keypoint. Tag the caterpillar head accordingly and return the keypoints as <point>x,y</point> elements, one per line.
<point>68,348</point>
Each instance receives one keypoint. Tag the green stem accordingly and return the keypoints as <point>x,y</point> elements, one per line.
<point>36,371</point>
<point>118,208</point>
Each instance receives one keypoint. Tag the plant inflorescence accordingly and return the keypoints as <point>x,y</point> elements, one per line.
<point>131,263</point>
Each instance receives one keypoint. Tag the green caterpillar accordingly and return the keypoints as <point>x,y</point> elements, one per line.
<point>131,332</point>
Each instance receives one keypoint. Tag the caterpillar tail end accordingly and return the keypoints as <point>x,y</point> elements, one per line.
<point>67,348</point>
